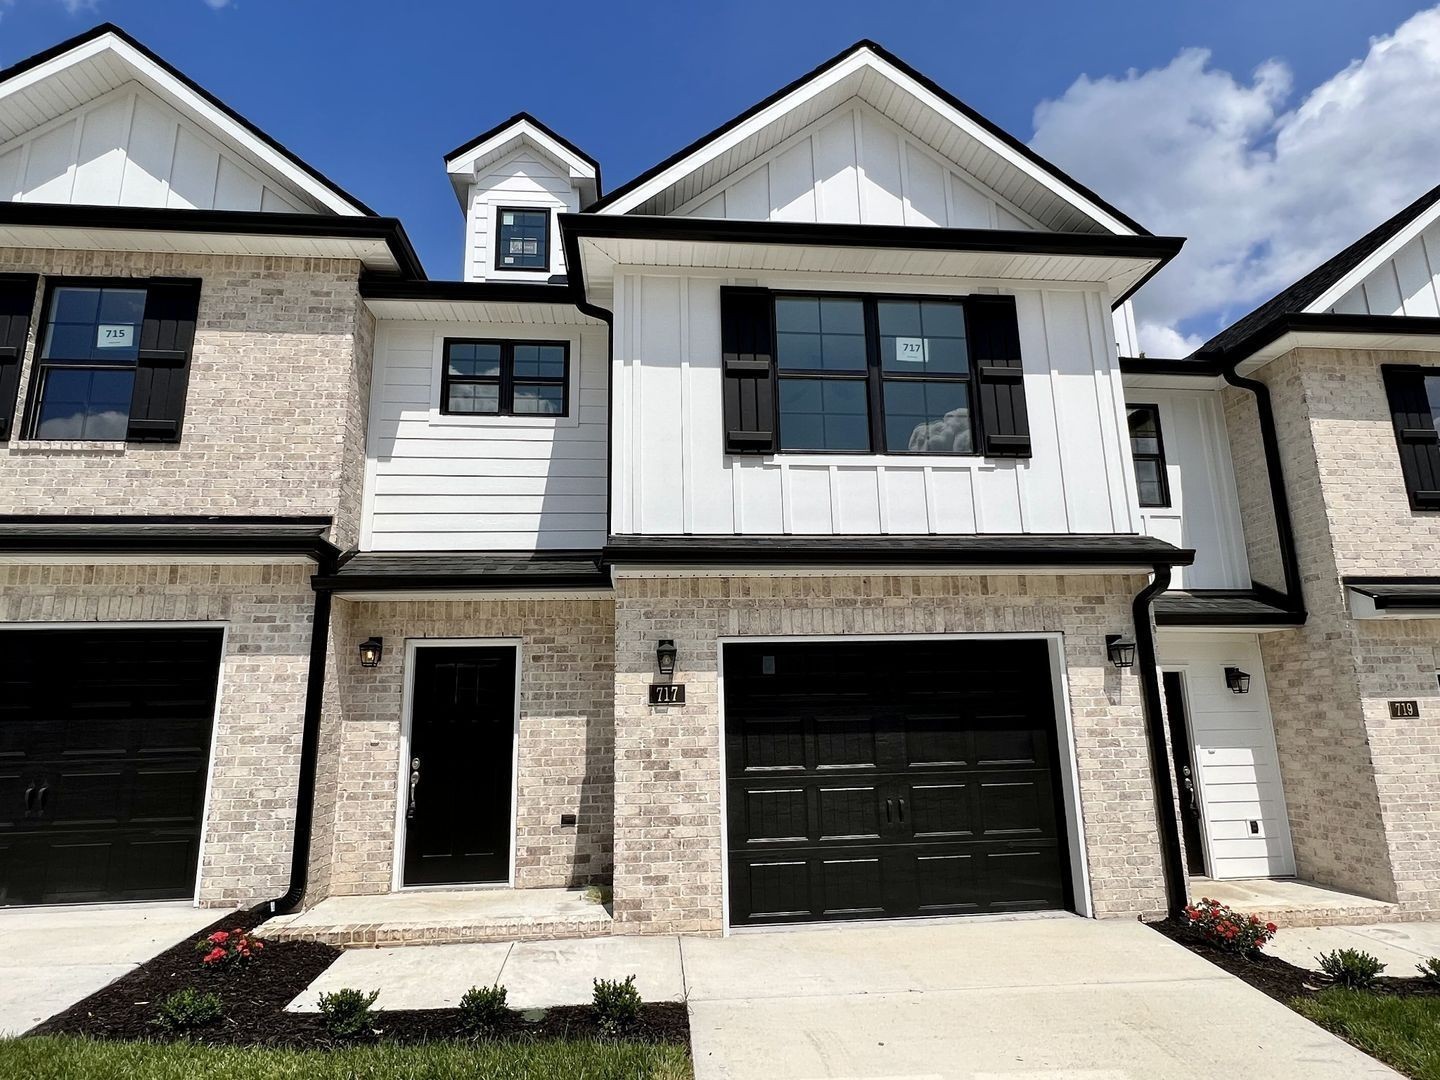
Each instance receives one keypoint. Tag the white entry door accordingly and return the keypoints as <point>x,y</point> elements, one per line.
<point>1237,771</point>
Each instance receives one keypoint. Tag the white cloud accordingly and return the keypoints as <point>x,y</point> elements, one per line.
<point>1263,186</point>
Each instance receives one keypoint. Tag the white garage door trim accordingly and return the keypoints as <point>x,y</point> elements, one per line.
<point>1069,765</point>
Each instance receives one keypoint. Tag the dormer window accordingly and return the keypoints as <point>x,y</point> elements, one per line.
<point>522,239</point>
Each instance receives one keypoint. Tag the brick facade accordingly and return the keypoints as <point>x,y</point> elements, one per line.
<point>267,611</point>
<point>566,738</point>
<point>669,847</point>
<point>274,417</point>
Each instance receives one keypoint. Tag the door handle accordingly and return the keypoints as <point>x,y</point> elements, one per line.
<point>902,811</point>
<point>30,799</point>
<point>888,818</point>
<point>1189,785</point>
<point>414,783</point>
<point>42,793</point>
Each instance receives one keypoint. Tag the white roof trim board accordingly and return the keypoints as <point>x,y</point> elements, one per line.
<point>93,63</point>
<point>861,62</point>
<point>466,165</point>
<point>1372,262</point>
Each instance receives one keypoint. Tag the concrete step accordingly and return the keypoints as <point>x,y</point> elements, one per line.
<point>445,917</point>
<point>1291,903</point>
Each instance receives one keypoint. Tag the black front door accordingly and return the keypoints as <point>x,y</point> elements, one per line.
<point>884,779</point>
<point>1183,755</point>
<point>104,743</point>
<point>457,814</point>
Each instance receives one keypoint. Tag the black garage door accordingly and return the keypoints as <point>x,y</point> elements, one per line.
<point>891,779</point>
<point>104,738</point>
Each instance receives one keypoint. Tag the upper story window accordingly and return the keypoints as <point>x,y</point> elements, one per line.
<point>522,239</point>
<point>868,374</point>
<point>1148,451</point>
<point>112,362</point>
<point>505,378</point>
<point>830,372</point>
<point>1414,396</point>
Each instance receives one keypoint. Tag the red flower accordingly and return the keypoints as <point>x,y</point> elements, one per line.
<point>214,956</point>
<point>219,937</point>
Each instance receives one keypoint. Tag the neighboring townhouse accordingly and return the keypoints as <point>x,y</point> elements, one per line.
<point>779,537</point>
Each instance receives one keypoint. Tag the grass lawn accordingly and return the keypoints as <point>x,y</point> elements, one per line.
<point>65,1058</point>
<point>1403,1032</point>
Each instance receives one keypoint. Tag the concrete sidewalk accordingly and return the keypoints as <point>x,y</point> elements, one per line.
<point>978,999</point>
<point>51,957</point>
<point>1400,946</point>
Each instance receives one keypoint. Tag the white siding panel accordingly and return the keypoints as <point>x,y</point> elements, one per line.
<point>1405,284</point>
<point>880,155</point>
<point>526,178</point>
<point>837,172</point>
<point>1236,765</point>
<point>1417,286</point>
<point>925,189</point>
<point>101,163</point>
<point>10,173</point>
<point>50,166</point>
<point>1382,291</point>
<point>672,474</point>
<point>192,181</point>
<point>969,208</point>
<point>749,198</point>
<point>792,185</point>
<point>446,483</point>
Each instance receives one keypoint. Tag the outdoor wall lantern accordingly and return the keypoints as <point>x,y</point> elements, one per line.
<point>371,651</point>
<point>1121,650</point>
<point>665,656</point>
<point>1238,681</point>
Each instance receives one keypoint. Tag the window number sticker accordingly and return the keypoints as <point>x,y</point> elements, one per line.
<point>910,350</point>
<point>114,335</point>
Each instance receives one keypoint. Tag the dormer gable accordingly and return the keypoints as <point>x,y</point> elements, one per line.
<point>513,182</point>
<point>862,119</point>
<point>102,120</point>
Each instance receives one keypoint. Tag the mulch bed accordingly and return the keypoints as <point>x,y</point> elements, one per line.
<point>255,998</point>
<point>1281,980</point>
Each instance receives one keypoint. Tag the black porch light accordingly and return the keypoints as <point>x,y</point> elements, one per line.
<point>665,656</point>
<point>371,651</point>
<point>1238,681</point>
<point>1121,650</point>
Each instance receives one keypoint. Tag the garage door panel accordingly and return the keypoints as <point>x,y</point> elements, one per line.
<point>106,746</point>
<point>955,811</point>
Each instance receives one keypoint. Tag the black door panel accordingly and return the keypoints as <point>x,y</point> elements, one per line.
<point>881,779</point>
<point>457,827</point>
<point>104,747</point>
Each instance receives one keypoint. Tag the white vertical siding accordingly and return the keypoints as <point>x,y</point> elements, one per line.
<point>854,165</point>
<point>524,179</point>
<point>1236,765</point>
<point>1405,284</point>
<point>1204,510</point>
<point>128,148</point>
<point>673,477</point>
<point>456,483</point>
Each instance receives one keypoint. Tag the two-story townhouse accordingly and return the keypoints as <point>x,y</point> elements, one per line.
<point>184,361</point>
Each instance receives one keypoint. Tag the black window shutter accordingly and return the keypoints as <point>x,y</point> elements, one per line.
<point>17,300</point>
<point>1415,434</point>
<point>994,332</point>
<point>747,350</point>
<point>162,373</point>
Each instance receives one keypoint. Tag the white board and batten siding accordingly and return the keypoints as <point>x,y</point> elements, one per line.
<point>129,148</point>
<point>1204,510</point>
<point>673,477</point>
<point>474,483</point>
<point>1247,832</point>
<point>1407,283</point>
<point>856,166</point>
<point>525,179</point>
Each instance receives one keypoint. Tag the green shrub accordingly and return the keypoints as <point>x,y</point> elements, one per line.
<point>483,1009</point>
<point>346,1013</point>
<point>1430,971</point>
<point>1350,968</point>
<point>617,1003</point>
<point>186,1010</point>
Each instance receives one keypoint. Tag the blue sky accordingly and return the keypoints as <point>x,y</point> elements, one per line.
<point>374,99</point>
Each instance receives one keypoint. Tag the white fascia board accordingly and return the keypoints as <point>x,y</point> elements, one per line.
<point>852,64</point>
<point>1333,295</point>
<point>177,94</point>
<point>578,167</point>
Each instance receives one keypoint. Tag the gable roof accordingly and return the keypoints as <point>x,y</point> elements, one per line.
<point>66,76</point>
<point>1318,289</point>
<point>467,159</point>
<point>868,70</point>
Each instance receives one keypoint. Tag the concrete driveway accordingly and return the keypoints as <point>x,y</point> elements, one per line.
<point>50,958</point>
<point>1053,998</point>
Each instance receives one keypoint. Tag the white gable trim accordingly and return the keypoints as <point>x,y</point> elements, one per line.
<point>1372,262</point>
<point>851,65</point>
<point>193,105</point>
<point>576,166</point>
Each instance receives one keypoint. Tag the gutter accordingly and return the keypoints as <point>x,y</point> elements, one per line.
<point>1177,888</point>
<point>309,749</point>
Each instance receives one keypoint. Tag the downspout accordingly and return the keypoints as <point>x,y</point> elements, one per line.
<point>1177,889</point>
<point>1284,528</point>
<point>309,744</point>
